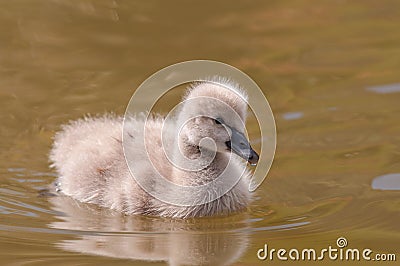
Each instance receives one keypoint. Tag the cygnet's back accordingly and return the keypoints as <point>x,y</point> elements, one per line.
<point>88,155</point>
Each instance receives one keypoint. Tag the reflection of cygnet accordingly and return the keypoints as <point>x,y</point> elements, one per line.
<point>216,241</point>
<point>89,156</point>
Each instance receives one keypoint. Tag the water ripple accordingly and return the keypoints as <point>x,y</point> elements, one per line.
<point>385,89</point>
<point>280,227</point>
<point>292,115</point>
<point>387,182</point>
<point>26,206</point>
<point>6,211</point>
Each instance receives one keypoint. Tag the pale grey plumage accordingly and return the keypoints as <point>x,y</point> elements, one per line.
<point>89,158</point>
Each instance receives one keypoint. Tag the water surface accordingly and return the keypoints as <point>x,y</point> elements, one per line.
<point>330,70</point>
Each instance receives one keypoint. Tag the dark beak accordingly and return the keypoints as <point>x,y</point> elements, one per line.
<point>241,146</point>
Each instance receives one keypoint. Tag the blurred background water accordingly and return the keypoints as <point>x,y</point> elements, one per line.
<point>331,72</point>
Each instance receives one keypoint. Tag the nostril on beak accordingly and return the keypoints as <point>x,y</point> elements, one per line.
<point>253,158</point>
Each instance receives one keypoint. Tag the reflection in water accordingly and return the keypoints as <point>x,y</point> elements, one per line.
<point>384,89</point>
<point>178,242</point>
<point>387,182</point>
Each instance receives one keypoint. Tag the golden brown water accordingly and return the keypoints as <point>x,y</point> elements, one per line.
<point>324,66</point>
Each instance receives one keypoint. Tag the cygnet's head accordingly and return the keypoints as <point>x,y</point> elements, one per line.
<point>217,110</point>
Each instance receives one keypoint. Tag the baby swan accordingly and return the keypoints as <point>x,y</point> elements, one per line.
<point>88,155</point>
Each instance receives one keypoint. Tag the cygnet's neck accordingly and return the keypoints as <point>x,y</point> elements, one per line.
<point>214,163</point>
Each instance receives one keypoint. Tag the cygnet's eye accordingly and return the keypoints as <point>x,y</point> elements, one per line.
<point>218,121</point>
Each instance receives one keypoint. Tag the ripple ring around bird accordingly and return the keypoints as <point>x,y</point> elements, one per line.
<point>158,84</point>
